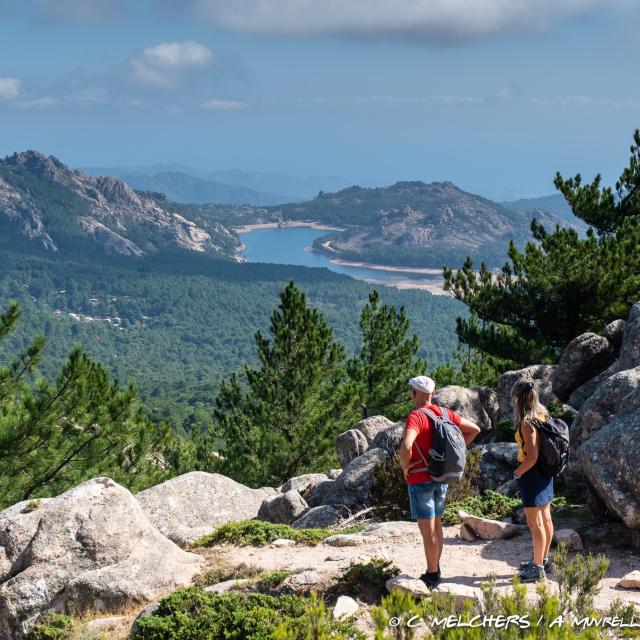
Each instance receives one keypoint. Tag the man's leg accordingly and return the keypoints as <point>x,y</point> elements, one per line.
<point>440,537</point>
<point>432,545</point>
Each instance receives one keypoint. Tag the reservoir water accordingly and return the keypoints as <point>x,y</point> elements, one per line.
<point>291,245</point>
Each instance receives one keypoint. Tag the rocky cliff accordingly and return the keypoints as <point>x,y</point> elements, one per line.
<point>56,207</point>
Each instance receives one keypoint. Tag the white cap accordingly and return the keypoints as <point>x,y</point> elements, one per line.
<point>423,383</point>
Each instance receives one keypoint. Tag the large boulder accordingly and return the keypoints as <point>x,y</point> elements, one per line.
<point>611,462</point>
<point>540,374</point>
<point>487,529</point>
<point>630,349</point>
<point>582,359</point>
<point>283,508</point>
<point>303,483</point>
<point>613,395</point>
<point>316,494</point>
<point>496,465</point>
<point>349,445</point>
<point>467,402</point>
<point>90,549</point>
<point>586,390</point>
<point>353,486</point>
<point>389,439</point>
<point>370,427</point>
<point>614,333</point>
<point>190,506</point>
<point>319,518</point>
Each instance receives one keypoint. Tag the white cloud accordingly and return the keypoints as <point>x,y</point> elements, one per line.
<point>10,88</point>
<point>167,64</point>
<point>428,20</point>
<point>224,105</point>
<point>44,102</point>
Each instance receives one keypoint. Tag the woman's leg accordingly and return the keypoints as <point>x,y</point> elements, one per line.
<point>548,527</point>
<point>538,533</point>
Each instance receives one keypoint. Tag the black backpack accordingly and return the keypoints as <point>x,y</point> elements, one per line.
<point>553,447</point>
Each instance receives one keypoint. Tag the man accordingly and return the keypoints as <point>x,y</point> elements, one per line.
<point>426,496</point>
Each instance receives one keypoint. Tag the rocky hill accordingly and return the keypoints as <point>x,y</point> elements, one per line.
<point>58,208</point>
<point>417,224</point>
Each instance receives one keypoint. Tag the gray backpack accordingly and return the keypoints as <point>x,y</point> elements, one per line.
<point>448,451</point>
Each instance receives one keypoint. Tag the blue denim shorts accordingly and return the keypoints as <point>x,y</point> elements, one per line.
<point>535,488</point>
<point>426,499</point>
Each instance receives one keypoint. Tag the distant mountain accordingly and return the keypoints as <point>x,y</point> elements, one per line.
<point>181,187</point>
<point>258,188</point>
<point>555,204</point>
<point>416,224</point>
<point>57,208</point>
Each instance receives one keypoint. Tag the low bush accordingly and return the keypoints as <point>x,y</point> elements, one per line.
<point>193,614</point>
<point>223,570</point>
<point>365,580</point>
<point>259,533</point>
<point>53,626</point>
<point>489,504</point>
<point>269,581</point>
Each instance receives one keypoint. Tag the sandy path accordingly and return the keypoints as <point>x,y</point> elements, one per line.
<point>462,562</point>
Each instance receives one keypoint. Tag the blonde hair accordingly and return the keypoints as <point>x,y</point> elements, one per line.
<point>526,403</point>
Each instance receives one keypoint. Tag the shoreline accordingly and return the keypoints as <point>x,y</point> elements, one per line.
<point>289,224</point>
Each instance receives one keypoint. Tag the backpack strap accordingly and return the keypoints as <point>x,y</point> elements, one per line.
<point>431,414</point>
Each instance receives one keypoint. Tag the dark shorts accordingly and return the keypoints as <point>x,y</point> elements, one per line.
<point>426,499</point>
<point>536,489</point>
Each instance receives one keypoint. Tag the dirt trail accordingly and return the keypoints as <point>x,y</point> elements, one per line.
<point>463,562</point>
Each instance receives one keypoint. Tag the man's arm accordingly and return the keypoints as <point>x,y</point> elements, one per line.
<point>469,430</point>
<point>405,449</point>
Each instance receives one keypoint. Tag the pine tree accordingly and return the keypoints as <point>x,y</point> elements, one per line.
<point>562,284</point>
<point>386,361</point>
<point>281,419</point>
<point>54,436</point>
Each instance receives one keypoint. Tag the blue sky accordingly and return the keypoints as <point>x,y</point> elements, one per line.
<point>495,95</point>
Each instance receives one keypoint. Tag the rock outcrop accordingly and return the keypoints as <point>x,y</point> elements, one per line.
<point>480,405</point>
<point>496,465</point>
<point>90,549</point>
<point>350,445</point>
<point>611,462</point>
<point>583,358</point>
<point>540,374</point>
<point>190,506</point>
<point>283,508</point>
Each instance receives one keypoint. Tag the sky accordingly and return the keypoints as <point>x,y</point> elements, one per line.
<point>494,95</point>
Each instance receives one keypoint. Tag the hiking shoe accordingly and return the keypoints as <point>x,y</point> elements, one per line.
<point>546,563</point>
<point>532,573</point>
<point>432,580</point>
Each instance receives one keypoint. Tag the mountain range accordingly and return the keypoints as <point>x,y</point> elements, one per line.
<point>56,207</point>
<point>187,185</point>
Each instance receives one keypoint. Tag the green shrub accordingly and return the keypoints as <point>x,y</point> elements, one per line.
<point>389,496</point>
<point>411,615</point>
<point>489,504</point>
<point>193,614</point>
<point>365,580</point>
<point>467,485</point>
<point>53,626</point>
<point>259,533</point>
<point>578,579</point>
<point>317,624</point>
<point>271,580</point>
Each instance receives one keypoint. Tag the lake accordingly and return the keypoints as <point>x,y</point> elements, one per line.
<point>290,245</point>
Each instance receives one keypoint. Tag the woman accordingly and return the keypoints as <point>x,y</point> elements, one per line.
<point>536,488</point>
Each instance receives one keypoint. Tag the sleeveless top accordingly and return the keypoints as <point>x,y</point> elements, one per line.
<point>519,440</point>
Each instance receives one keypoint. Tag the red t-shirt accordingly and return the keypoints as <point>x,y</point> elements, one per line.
<point>420,422</point>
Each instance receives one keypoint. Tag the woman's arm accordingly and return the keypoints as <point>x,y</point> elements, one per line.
<point>530,438</point>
